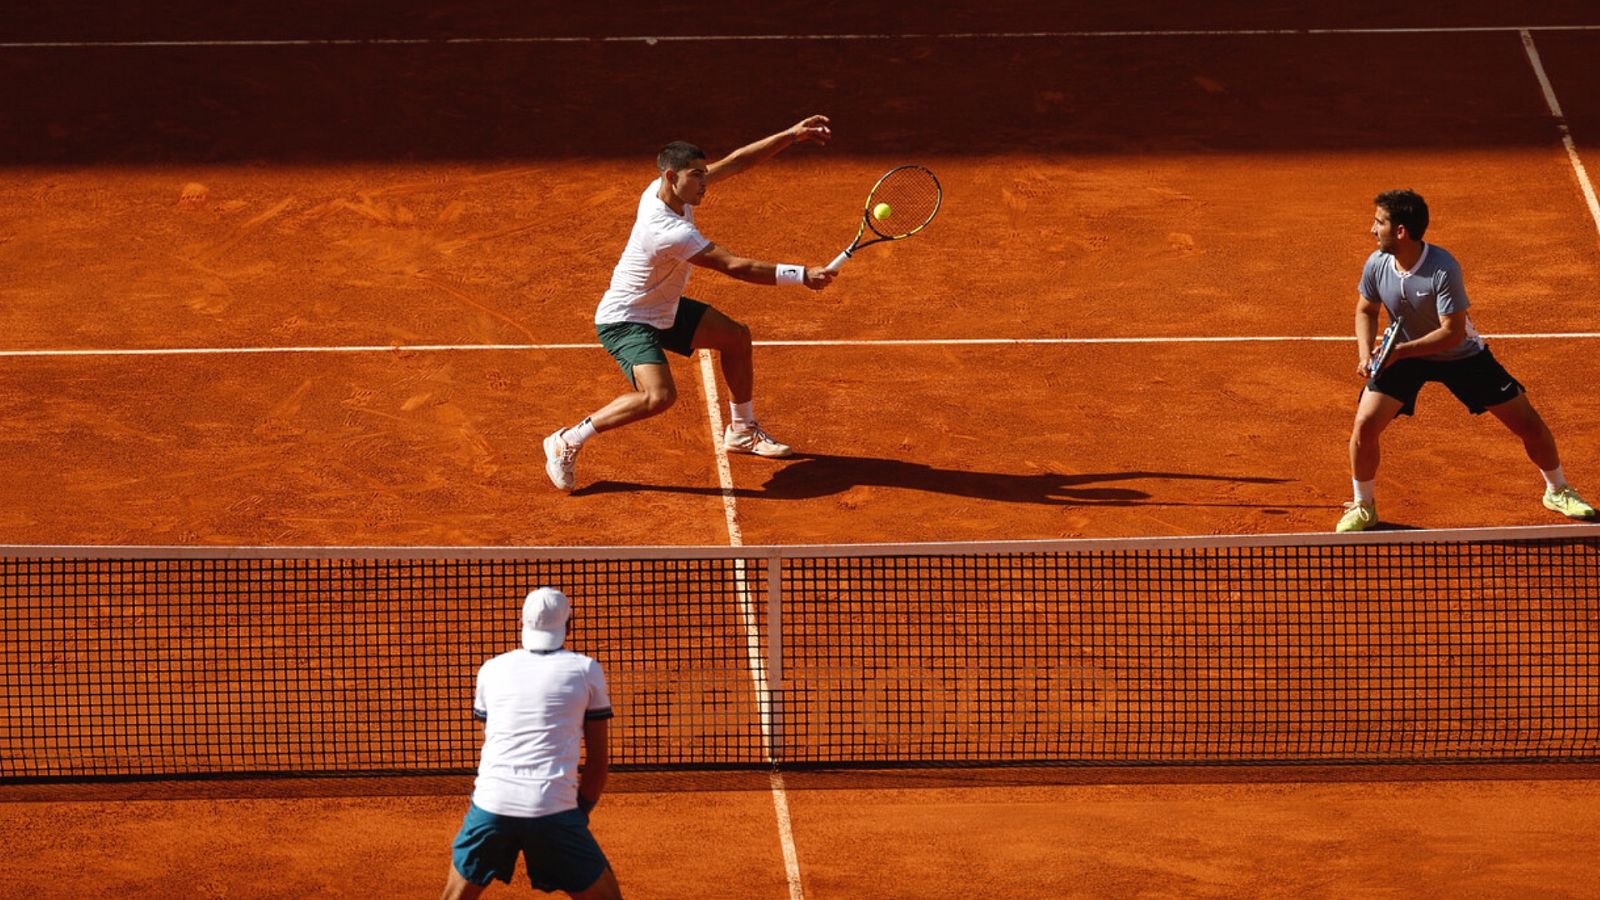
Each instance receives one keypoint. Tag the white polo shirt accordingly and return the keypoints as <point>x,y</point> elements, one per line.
<point>534,706</point>
<point>654,269</point>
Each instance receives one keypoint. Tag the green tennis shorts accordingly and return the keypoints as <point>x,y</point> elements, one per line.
<point>560,852</point>
<point>632,344</point>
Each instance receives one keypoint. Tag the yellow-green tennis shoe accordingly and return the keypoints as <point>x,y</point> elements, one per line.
<point>1566,501</point>
<point>1358,516</point>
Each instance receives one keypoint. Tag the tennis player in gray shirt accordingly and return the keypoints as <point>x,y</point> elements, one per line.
<point>1420,285</point>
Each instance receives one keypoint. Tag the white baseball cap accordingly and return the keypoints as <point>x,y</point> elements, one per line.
<point>544,619</point>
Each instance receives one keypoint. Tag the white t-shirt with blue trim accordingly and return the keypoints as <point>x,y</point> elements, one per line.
<point>534,706</point>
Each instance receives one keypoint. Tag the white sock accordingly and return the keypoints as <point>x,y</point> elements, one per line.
<point>744,417</point>
<point>1555,479</point>
<point>1363,490</point>
<point>579,433</point>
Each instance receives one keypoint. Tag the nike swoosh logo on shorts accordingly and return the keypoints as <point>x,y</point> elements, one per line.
<point>1507,386</point>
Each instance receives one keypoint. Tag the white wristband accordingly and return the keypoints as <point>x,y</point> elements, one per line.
<point>788,274</point>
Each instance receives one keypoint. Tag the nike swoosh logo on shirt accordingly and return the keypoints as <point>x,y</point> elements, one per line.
<point>1422,293</point>
<point>1507,386</point>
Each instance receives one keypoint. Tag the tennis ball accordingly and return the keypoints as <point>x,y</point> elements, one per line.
<point>881,211</point>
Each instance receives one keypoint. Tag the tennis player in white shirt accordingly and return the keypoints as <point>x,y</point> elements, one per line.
<point>644,314</point>
<point>538,705</point>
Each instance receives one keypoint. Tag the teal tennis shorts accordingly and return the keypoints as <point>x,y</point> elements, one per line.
<point>633,344</point>
<point>560,853</point>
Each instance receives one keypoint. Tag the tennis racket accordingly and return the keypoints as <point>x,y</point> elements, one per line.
<point>907,196</point>
<point>1391,336</point>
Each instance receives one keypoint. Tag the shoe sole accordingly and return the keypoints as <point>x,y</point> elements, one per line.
<point>732,449</point>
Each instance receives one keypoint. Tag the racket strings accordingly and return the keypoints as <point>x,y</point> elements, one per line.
<point>912,194</point>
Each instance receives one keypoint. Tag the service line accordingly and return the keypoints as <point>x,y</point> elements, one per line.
<point>898,342</point>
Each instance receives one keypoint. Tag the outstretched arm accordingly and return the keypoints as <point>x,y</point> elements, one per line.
<point>755,271</point>
<point>811,128</point>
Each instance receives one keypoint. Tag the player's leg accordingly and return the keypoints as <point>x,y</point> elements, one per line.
<point>563,855</point>
<point>731,341</point>
<point>1525,422</point>
<point>1482,383</point>
<point>653,395</point>
<point>1374,412</point>
<point>604,888</point>
<point>637,349</point>
<point>483,850</point>
<point>1518,415</point>
<point>457,887</point>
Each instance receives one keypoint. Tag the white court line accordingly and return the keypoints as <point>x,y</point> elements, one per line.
<point>1561,123</point>
<point>897,342</point>
<point>349,348</point>
<point>651,40</point>
<point>708,378</point>
<point>752,632</point>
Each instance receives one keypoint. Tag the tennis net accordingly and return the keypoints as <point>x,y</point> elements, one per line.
<point>1450,646</point>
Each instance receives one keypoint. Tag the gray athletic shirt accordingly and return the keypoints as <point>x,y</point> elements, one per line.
<point>1419,297</point>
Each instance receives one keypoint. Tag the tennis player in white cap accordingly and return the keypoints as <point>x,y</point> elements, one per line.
<point>537,705</point>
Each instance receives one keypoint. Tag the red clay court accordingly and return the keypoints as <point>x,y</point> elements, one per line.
<point>304,278</point>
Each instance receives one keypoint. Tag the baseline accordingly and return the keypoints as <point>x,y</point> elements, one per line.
<point>651,40</point>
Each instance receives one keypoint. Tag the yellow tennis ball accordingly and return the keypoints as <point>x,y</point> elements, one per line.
<point>881,211</point>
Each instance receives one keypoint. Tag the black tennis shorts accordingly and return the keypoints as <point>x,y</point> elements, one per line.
<point>1479,381</point>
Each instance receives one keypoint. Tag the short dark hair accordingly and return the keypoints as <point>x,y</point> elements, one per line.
<point>1405,207</point>
<point>677,156</point>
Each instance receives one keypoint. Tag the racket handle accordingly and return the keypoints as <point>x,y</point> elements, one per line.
<point>838,261</point>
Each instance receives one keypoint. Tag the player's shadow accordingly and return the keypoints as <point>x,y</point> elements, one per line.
<point>811,475</point>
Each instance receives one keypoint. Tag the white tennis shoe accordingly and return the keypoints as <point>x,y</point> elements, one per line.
<point>755,441</point>
<point>560,461</point>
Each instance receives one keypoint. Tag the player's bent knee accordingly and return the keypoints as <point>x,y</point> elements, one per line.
<point>733,338</point>
<point>727,337</point>
<point>659,400</point>
<point>1523,420</point>
<point>1368,428</point>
